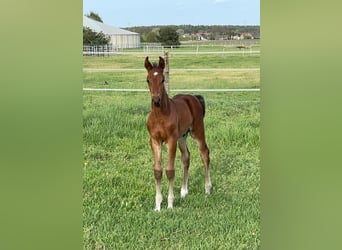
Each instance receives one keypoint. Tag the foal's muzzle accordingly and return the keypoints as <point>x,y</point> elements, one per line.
<point>156,101</point>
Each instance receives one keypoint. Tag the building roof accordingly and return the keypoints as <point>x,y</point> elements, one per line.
<point>105,28</point>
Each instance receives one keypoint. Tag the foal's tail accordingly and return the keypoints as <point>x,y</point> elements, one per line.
<point>201,100</point>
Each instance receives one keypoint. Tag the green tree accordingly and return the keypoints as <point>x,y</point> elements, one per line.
<point>168,36</point>
<point>91,37</point>
<point>151,37</point>
<point>156,30</point>
<point>94,16</point>
<point>180,33</point>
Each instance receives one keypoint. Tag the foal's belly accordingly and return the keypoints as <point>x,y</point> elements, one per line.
<point>163,133</point>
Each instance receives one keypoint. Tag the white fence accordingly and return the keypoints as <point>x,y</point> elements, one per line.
<point>194,47</point>
<point>174,90</point>
<point>154,48</point>
<point>100,50</point>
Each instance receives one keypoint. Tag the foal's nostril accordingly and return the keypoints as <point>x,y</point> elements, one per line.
<point>156,101</point>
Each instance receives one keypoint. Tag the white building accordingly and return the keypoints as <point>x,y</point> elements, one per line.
<point>119,38</point>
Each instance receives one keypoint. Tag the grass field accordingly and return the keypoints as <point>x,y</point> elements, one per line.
<point>176,61</point>
<point>179,79</point>
<point>119,184</point>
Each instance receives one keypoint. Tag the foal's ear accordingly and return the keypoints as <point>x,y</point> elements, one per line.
<point>161,63</point>
<point>148,65</point>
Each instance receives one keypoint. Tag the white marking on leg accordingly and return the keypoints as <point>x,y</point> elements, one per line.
<point>184,191</point>
<point>159,198</point>
<point>171,196</point>
<point>208,185</point>
<point>208,188</point>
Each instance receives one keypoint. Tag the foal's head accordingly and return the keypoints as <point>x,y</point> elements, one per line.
<point>155,80</point>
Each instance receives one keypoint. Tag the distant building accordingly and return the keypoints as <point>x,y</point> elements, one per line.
<point>235,37</point>
<point>202,36</point>
<point>119,38</point>
<point>246,35</point>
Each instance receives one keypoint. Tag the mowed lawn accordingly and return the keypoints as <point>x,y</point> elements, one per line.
<point>243,71</point>
<point>119,187</point>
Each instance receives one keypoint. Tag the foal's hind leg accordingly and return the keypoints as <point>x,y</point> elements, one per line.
<point>206,160</point>
<point>199,136</point>
<point>186,162</point>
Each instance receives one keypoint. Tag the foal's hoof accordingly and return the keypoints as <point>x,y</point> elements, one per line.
<point>208,189</point>
<point>184,192</point>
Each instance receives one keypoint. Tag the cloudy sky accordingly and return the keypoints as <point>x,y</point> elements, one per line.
<point>126,13</point>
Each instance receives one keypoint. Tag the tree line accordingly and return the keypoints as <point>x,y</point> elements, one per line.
<point>188,32</point>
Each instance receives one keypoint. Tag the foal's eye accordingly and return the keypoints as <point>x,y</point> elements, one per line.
<point>163,80</point>
<point>147,80</point>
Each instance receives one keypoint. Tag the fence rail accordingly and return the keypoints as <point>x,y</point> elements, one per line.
<point>173,90</point>
<point>175,69</point>
<point>193,47</point>
<point>171,52</point>
<point>100,50</point>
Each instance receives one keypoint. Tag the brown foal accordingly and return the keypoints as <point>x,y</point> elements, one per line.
<point>169,122</point>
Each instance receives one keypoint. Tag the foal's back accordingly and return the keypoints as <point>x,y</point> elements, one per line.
<point>194,103</point>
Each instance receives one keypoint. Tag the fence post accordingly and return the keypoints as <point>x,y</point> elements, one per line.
<point>166,72</point>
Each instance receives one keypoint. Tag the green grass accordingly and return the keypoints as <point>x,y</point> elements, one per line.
<point>178,61</point>
<point>119,184</point>
<point>178,78</point>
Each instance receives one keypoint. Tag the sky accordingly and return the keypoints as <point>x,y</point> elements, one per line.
<point>128,13</point>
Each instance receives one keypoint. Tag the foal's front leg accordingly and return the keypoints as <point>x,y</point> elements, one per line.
<point>170,169</point>
<point>157,153</point>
